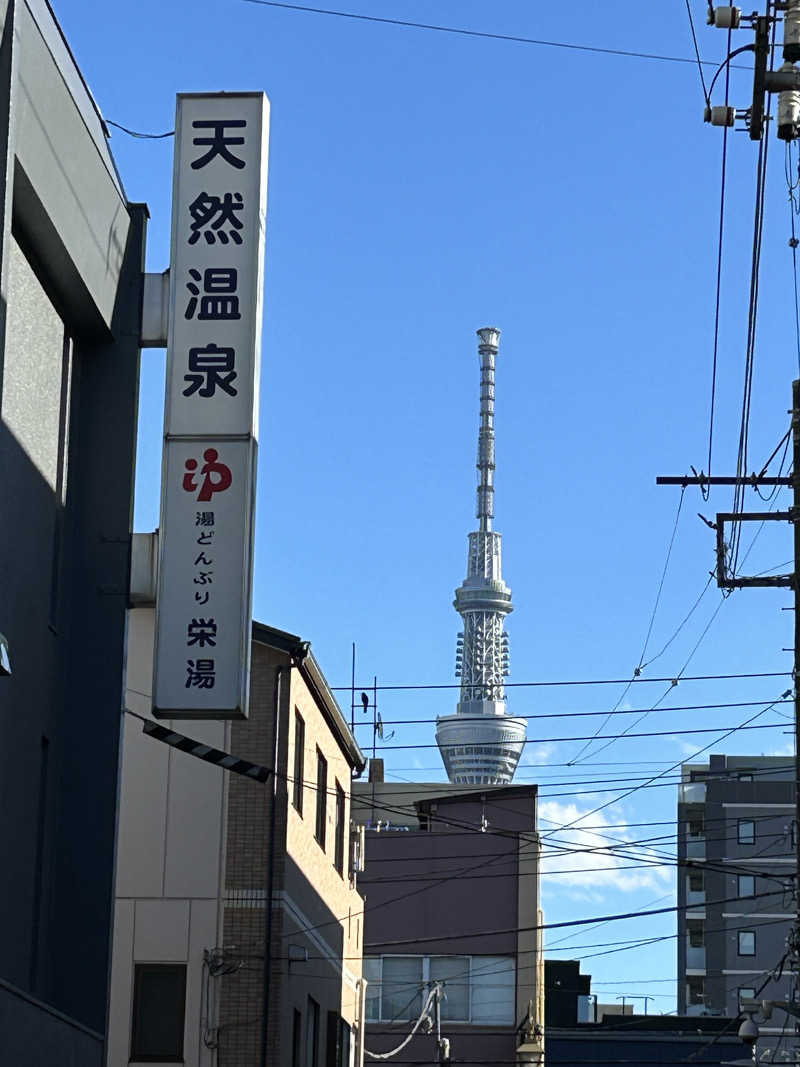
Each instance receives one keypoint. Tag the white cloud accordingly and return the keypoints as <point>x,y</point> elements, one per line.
<point>582,861</point>
<point>535,756</point>
<point>687,748</point>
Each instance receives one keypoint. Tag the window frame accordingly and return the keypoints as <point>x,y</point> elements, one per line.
<point>339,842</point>
<point>741,934</point>
<point>752,879</point>
<point>322,800</point>
<point>745,839</point>
<point>312,1033</point>
<point>299,762</point>
<point>750,990</point>
<point>140,972</point>
<point>374,1004</point>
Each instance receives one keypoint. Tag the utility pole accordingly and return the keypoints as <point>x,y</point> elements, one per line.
<point>726,580</point>
<point>785,82</point>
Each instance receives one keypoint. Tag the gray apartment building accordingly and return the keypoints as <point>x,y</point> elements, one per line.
<point>71,261</point>
<point>451,884</point>
<point>736,853</point>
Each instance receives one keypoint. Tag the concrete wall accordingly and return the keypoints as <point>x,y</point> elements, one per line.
<point>169,856</point>
<point>71,257</point>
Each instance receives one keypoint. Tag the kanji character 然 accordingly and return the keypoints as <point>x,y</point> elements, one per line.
<point>210,213</point>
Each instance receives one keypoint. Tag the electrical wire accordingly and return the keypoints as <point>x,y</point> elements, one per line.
<point>638,669</point>
<point>697,54</point>
<point>460,31</point>
<point>717,299</point>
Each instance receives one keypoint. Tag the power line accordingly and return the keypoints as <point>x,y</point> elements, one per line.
<point>461,31</point>
<point>600,737</point>
<point>558,682</point>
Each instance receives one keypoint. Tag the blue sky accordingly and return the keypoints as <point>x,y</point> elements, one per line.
<point>423,185</point>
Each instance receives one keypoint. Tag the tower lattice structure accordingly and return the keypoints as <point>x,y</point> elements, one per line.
<point>481,744</point>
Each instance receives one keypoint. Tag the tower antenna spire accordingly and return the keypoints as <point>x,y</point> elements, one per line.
<point>481,743</point>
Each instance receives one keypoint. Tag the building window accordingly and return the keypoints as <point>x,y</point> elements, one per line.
<point>340,828</point>
<point>322,797</point>
<point>696,826</point>
<point>478,989</point>
<point>747,832</point>
<point>696,882</point>
<point>337,1052</point>
<point>159,1004</point>
<point>297,1039</point>
<point>747,943</point>
<point>696,936</point>
<point>747,885</point>
<point>696,990</point>
<point>746,993</point>
<point>312,1033</point>
<point>299,761</point>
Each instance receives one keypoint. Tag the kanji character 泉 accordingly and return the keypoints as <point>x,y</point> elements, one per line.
<point>210,367</point>
<point>201,598</point>
<point>204,578</point>
<point>201,560</point>
<point>217,477</point>
<point>201,673</point>
<point>218,142</point>
<point>205,538</point>
<point>210,213</point>
<point>201,632</point>
<point>204,518</point>
<point>218,300</point>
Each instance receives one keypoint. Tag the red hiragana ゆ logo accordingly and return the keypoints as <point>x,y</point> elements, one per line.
<point>216,476</point>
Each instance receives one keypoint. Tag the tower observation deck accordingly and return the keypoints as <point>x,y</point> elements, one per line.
<point>481,744</point>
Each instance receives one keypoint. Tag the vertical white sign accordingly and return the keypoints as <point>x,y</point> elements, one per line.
<point>204,604</point>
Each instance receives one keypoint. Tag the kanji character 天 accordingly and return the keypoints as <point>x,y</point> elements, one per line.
<point>219,300</point>
<point>201,632</point>
<point>218,142</point>
<point>210,367</point>
<point>209,215</point>
<point>201,673</point>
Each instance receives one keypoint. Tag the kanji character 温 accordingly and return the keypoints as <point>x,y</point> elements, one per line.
<point>219,300</point>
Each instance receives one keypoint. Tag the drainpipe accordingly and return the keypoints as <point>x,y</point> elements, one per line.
<point>276,697</point>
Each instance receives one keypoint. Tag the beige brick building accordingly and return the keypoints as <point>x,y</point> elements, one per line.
<point>203,972</point>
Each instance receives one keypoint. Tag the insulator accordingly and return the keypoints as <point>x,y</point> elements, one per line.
<point>788,113</point>
<point>725,17</point>
<point>720,116</point>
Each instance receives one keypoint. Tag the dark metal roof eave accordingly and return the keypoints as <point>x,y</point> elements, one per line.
<point>306,663</point>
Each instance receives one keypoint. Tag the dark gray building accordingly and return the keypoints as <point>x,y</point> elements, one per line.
<point>71,261</point>
<point>451,886</point>
<point>736,871</point>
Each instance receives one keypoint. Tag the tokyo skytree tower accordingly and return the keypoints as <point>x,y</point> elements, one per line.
<point>481,744</point>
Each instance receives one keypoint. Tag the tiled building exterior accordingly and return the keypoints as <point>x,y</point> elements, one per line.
<point>736,856</point>
<point>197,845</point>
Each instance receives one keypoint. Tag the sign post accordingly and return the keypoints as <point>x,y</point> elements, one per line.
<point>204,601</point>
